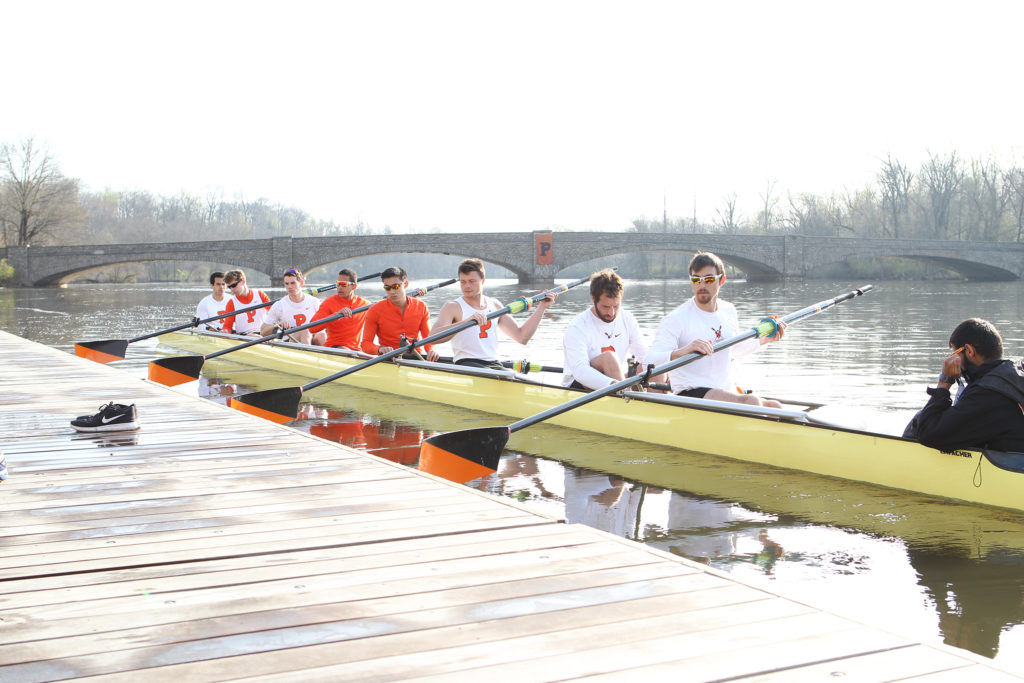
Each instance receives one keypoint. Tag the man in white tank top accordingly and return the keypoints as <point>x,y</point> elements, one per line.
<point>478,345</point>
<point>298,308</point>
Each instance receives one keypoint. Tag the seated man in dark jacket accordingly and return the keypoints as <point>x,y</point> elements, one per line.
<point>989,411</point>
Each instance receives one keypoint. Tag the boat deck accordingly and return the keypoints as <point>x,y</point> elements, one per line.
<point>211,545</point>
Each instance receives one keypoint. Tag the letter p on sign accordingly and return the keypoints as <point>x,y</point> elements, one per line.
<point>545,248</point>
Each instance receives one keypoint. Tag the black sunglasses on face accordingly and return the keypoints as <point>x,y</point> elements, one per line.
<point>234,284</point>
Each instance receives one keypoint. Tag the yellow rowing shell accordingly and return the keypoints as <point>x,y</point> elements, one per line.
<point>782,438</point>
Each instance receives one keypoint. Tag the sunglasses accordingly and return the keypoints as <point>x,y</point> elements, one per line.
<point>290,271</point>
<point>392,288</point>
<point>708,279</point>
<point>234,284</point>
<point>344,284</point>
<point>955,352</point>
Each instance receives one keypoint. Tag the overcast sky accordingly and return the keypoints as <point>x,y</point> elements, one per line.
<point>484,116</point>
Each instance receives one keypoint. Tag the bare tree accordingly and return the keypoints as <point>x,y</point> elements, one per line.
<point>1015,189</point>
<point>36,200</point>
<point>990,194</point>
<point>895,181</point>
<point>942,179</point>
<point>766,218</point>
<point>728,215</point>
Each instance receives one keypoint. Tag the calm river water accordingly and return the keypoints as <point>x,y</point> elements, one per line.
<point>934,570</point>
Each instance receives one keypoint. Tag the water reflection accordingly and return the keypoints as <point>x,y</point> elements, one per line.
<point>387,439</point>
<point>931,567</point>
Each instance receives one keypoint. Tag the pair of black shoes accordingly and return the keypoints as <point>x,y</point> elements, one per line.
<point>113,417</point>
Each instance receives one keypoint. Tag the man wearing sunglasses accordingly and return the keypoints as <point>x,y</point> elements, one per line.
<point>241,297</point>
<point>347,331</point>
<point>296,309</point>
<point>695,327</point>
<point>989,411</point>
<point>397,315</point>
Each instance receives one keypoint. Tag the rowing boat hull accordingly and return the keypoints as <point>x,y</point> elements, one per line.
<point>822,449</point>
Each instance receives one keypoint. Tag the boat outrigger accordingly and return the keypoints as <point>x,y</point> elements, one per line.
<point>786,438</point>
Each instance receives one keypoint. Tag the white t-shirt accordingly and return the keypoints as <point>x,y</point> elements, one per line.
<point>477,342</point>
<point>587,337</point>
<point>289,314</point>
<point>687,323</point>
<point>209,308</point>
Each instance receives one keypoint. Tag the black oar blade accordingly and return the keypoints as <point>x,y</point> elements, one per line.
<point>105,351</point>
<point>464,455</point>
<point>276,405</point>
<point>176,370</point>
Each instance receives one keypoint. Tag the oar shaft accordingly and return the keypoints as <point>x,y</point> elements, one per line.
<point>762,329</point>
<point>319,290</point>
<point>525,366</point>
<point>518,305</point>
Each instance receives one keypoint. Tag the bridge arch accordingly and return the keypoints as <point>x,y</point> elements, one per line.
<point>754,271</point>
<point>63,277</point>
<point>503,249</point>
<point>974,262</point>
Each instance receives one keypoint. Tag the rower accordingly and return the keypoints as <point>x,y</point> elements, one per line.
<point>346,332</point>
<point>598,340</point>
<point>694,327</point>
<point>294,310</point>
<point>386,321</point>
<point>478,346</point>
<point>213,304</point>
<point>242,296</point>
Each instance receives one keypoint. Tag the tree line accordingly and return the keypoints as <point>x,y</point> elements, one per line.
<point>946,198</point>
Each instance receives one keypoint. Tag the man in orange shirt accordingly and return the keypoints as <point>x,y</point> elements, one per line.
<point>347,331</point>
<point>398,314</point>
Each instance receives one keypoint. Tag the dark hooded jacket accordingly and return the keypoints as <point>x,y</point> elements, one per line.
<point>989,413</point>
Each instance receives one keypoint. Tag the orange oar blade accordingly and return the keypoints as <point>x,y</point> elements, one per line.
<point>177,370</point>
<point>276,405</point>
<point>105,351</point>
<point>464,455</point>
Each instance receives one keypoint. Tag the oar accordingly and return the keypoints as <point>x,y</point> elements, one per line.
<point>524,366</point>
<point>282,405</point>
<point>317,290</point>
<point>181,369</point>
<point>474,453</point>
<point>109,350</point>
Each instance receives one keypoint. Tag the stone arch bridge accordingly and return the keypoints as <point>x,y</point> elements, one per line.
<point>532,256</point>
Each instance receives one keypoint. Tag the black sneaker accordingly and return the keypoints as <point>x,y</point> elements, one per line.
<point>112,417</point>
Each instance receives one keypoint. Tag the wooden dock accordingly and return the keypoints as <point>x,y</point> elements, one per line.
<point>211,545</point>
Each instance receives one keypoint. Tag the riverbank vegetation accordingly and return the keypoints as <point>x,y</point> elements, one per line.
<point>946,198</point>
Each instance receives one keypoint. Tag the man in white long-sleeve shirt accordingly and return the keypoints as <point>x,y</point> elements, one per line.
<point>694,327</point>
<point>598,340</point>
